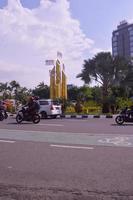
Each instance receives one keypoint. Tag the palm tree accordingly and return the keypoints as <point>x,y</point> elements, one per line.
<point>42,91</point>
<point>5,89</point>
<point>15,86</point>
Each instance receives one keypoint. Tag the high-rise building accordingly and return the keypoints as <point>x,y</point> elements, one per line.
<point>122,40</point>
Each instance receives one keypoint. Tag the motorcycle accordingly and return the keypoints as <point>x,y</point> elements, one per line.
<point>124,116</point>
<point>3,115</point>
<point>23,115</point>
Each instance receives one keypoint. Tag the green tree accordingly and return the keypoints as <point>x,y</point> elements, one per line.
<point>42,91</point>
<point>97,94</point>
<point>22,94</point>
<point>127,83</point>
<point>73,92</point>
<point>106,71</point>
<point>85,93</point>
<point>5,89</point>
<point>15,87</point>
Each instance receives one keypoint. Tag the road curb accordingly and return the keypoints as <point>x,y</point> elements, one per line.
<point>77,116</point>
<point>86,116</point>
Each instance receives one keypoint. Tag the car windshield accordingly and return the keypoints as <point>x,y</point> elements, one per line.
<point>55,103</point>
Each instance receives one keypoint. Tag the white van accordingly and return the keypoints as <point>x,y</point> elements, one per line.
<point>49,108</point>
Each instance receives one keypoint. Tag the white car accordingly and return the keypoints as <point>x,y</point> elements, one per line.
<point>49,108</point>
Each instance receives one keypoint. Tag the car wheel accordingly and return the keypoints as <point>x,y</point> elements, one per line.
<point>44,115</point>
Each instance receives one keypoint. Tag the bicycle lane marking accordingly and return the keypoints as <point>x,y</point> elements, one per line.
<point>116,141</point>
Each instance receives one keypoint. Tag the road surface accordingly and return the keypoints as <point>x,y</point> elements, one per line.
<point>66,159</point>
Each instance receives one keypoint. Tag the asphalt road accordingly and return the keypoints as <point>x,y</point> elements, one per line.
<point>66,159</point>
<point>92,125</point>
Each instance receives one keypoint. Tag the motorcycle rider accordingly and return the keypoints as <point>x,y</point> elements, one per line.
<point>3,109</point>
<point>33,106</point>
<point>36,104</point>
<point>130,112</point>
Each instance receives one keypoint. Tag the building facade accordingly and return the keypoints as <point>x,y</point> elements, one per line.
<point>122,40</point>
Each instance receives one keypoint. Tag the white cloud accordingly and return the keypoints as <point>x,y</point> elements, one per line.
<point>94,50</point>
<point>29,37</point>
<point>130,21</point>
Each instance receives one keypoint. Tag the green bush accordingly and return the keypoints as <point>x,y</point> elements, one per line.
<point>94,109</point>
<point>91,107</point>
<point>70,109</point>
<point>123,102</point>
<point>85,110</point>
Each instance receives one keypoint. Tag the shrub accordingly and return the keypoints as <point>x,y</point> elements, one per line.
<point>94,109</point>
<point>123,102</point>
<point>70,109</point>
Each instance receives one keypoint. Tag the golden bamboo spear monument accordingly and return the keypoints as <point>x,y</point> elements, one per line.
<point>58,82</point>
<point>52,83</point>
<point>64,84</point>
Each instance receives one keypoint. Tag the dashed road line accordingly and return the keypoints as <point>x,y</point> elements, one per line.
<point>7,141</point>
<point>71,147</point>
<point>50,124</point>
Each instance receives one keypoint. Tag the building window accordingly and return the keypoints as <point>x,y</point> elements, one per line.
<point>114,49</point>
<point>115,44</point>
<point>130,28</point>
<point>116,34</point>
<point>114,38</point>
<point>131,38</point>
<point>131,49</point>
<point>131,32</point>
<point>131,54</point>
<point>131,44</point>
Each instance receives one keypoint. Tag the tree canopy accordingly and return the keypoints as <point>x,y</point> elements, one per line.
<point>107,71</point>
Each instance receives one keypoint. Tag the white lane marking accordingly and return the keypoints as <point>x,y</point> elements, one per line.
<point>8,141</point>
<point>9,167</point>
<point>71,147</point>
<point>50,124</point>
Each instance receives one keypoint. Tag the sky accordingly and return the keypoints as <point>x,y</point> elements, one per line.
<point>32,31</point>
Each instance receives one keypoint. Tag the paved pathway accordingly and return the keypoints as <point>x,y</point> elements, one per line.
<point>68,138</point>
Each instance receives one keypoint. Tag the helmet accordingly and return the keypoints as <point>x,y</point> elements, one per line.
<point>36,97</point>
